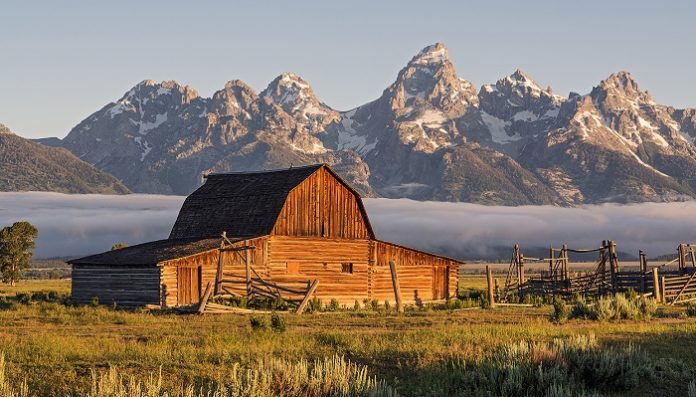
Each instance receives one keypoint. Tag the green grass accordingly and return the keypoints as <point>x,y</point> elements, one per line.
<point>56,348</point>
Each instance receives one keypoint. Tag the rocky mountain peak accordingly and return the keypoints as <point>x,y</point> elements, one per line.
<point>435,54</point>
<point>234,98</point>
<point>4,130</point>
<point>296,97</point>
<point>620,84</point>
<point>430,79</point>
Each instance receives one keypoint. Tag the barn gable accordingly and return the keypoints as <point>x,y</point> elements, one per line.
<point>325,206</point>
<point>262,203</point>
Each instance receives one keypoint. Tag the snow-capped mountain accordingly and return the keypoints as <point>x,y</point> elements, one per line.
<point>431,135</point>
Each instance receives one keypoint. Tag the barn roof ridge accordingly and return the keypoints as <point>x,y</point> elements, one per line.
<point>268,171</point>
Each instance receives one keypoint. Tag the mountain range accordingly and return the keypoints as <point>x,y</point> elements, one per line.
<point>431,135</point>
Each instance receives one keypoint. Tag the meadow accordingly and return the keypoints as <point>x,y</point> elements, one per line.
<point>55,349</point>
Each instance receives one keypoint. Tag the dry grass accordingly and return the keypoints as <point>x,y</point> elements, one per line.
<point>56,347</point>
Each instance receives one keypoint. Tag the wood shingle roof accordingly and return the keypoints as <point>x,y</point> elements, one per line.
<point>241,204</point>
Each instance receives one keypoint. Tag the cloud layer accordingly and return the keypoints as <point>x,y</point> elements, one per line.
<point>73,225</point>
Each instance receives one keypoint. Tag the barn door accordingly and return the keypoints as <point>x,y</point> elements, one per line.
<point>188,285</point>
<point>440,278</point>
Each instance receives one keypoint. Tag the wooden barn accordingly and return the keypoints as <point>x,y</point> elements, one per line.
<point>263,234</point>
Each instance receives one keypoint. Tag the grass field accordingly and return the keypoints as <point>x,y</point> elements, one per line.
<point>57,348</point>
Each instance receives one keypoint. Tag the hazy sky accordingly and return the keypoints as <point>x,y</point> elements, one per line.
<point>62,60</point>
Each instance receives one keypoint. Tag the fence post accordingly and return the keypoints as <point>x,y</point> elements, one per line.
<point>663,290</point>
<point>682,263</point>
<point>521,264</point>
<point>656,285</point>
<point>551,274</point>
<point>643,270</point>
<point>489,279</point>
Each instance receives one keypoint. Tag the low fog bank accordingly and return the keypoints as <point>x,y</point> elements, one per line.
<point>79,224</point>
<point>476,231</point>
<point>74,225</point>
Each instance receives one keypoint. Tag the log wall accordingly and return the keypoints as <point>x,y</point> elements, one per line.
<point>207,261</point>
<point>126,286</point>
<point>322,206</point>
<point>422,276</point>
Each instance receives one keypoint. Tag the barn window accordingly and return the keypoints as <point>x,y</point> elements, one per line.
<point>293,267</point>
<point>347,268</point>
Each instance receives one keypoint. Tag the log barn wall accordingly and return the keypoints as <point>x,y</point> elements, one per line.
<point>207,261</point>
<point>417,271</point>
<point>322,206</point>
<point>127,286</point>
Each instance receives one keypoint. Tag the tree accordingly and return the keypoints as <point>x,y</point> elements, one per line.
<point>16,241</point>
<point>118,246</point>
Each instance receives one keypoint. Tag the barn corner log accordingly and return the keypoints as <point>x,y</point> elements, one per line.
<point>489,279</point>
<point>396,286</point>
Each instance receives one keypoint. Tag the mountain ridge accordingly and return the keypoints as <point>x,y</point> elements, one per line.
<point>431,135</point>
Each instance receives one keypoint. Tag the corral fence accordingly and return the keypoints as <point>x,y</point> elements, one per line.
<point>671,282</point>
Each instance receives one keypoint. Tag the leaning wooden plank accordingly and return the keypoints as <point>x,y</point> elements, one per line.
<point>676,298</point>
<point>204,299</point>
<point>395,285</point>
<point>305,301</point>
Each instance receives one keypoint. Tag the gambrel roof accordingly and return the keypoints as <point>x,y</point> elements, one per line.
<point>244,203</point>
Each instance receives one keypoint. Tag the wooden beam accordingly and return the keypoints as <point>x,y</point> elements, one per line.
<point>305,300</point>
<point>395,285</point>
<point>489,279</point>
<point>247,265</point>
<point>656,284</point>
<point>204,299</point>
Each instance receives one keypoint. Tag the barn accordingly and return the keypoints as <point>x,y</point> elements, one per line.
<point>263,234</point>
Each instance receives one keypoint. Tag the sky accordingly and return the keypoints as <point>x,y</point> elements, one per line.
<point>76,225</point>
<point>62,61</point>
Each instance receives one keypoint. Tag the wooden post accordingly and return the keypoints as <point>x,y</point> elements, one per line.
<point>218,273</point>
<point>489,279</point>
<point>551,275</point>
<point>643,270</point>
<point>305,300</point>
<point>520,264</point>
<point>663,290</point>
<point>247,265</point>
<point>564,272</point>
<point>612,267</point>
<point>395,285</point>
<point>656,285</point>
<point>693,255</point>
<point>680,251</point>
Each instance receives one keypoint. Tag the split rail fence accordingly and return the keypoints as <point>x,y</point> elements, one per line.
<point>671,282</point>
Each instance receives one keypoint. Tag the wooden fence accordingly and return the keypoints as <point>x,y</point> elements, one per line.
<point>676,279</point>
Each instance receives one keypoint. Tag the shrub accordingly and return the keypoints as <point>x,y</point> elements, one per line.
<point>615,307</point>
<point>387,306</point>
<point>560,311</point>
<point>94,302</point>
<point>692,389</point>
<point>5,304</point>
<point>278,323</point>
<point>257,323</point>
<point>691,309</point>
<point>333,305</point>
<point>374,305</point>
<point>356,306</point>
<point>23,298</point>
